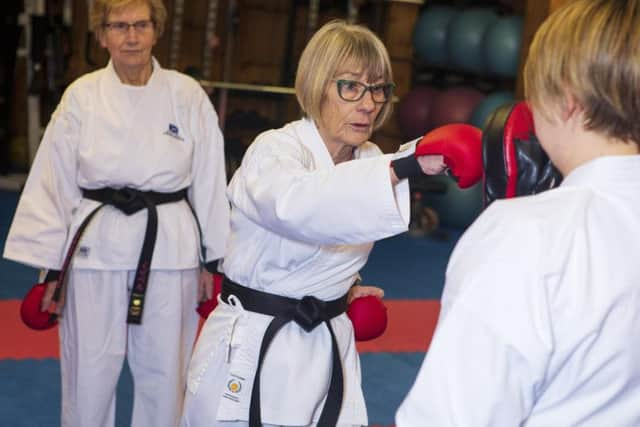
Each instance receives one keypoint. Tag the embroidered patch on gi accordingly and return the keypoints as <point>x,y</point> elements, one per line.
<point>234,388</point>
<point>83,251</point>
<point>174,132</point>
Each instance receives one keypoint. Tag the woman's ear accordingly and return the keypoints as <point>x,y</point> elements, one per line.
<point>102,39</point>
<point>570,108</point>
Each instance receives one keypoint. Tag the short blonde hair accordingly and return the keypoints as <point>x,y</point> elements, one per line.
<point>334,45</point>
<point>102,8</point>
<point>589,50</point>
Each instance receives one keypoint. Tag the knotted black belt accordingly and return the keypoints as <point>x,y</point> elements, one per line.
<point>307,312</point>
<point>130,201</point>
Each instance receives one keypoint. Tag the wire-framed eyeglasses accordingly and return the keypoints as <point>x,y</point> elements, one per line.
<point>122,27</point>
<point>352,91</point>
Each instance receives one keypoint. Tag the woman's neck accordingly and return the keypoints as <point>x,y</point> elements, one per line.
<point>590,146</point>
<point>134,76</point>
<point>342,154</point>
<point>339,151</point>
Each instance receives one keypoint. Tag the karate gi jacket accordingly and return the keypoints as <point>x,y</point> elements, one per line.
<point>300,225</point>
<point>163,137</point>
<point>541,311</point>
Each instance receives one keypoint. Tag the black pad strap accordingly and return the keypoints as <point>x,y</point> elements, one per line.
<point>406,167</point>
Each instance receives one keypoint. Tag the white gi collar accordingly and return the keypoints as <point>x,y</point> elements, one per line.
<point>115,80</point>
<point>603,172</point>
<point>310,137</point>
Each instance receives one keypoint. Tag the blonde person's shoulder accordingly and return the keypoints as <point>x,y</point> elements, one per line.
<point>182,79</point>
<point>519,212</point>
<point>369,149</point>
<point>275,140</point>
<point>85,82</point>
<point>81,92</point>
<point>282,145</point>
<point>183,86</point>
<point>520,221</point>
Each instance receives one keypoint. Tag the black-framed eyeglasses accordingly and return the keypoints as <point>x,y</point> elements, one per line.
<point>122,27</point>
<point>352,91</point>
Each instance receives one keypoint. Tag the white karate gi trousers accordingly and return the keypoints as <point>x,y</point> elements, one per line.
<point>94,339</point>
<point>200,409</point>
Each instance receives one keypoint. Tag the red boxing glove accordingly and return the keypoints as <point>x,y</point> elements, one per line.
<point>461,147</point>
<point>369,317</point>
<point>206,307</point>
<point>30,312</point>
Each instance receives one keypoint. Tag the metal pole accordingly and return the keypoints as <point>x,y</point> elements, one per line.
<point>209,34</point>
<point>226,70</point>
<point>312,17</point>
<point>176,33</point>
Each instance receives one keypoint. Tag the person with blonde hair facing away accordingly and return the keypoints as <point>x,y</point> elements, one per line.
<point>307,204</point>
<point>541,307</point>
<point>133,153</point>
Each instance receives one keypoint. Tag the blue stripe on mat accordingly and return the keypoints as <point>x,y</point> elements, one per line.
<point>386,379</point>
<point>411,267</point>
<point>30,395</point>
<point>15,279</point>
<point>31,389</point>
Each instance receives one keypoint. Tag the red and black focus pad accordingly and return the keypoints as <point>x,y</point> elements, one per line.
<point>514,162</point>
<point>30,312</point>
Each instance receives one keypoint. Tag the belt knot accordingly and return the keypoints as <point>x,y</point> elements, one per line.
<point>128,200</point>
<point>309,312</point>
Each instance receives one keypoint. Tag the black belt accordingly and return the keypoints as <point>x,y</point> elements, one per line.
<point>130,201</point>
<point>307,312</point>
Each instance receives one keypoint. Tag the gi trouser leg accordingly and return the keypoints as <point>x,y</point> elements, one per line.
<point>94,338</point>
<point>160,350</point>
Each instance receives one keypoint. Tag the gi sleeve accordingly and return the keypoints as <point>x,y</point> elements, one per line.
<point>279,187</point>
<point>209,179</point>
<point>486,365</point>
<point>40,226</point>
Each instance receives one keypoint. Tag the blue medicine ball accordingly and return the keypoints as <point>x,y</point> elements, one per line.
<point>488,105</point>
<point>501,46</point>
<point>465,36</point>
<point>430,35</point>
<point>456,207</point>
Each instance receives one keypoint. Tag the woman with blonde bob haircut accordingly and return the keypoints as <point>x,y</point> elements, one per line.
<point>307,204</point>
<point>337,44</point>
<point>541,304</point>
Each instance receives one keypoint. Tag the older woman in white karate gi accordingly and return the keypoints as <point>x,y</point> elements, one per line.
<point>308,202</point>
<point>138,138</point>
